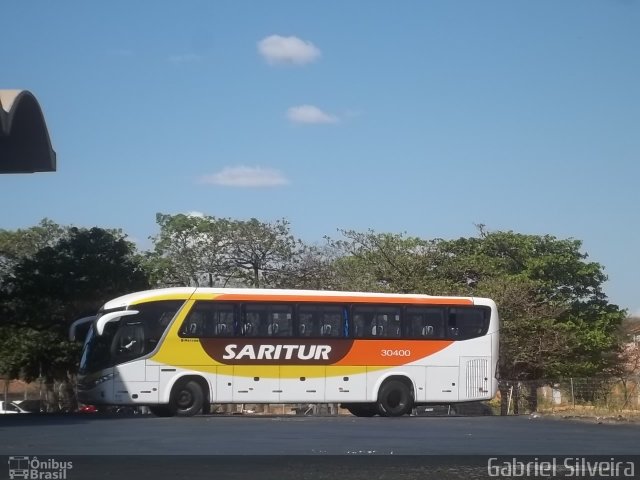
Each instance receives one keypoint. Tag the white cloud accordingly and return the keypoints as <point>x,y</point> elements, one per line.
<point>185,58</point>
<point>310,114</point>
<point>246,177</point>
<point>287,50</point>
<point>196,214</point>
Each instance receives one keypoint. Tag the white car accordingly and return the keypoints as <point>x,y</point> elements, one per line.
<point>10,407</point>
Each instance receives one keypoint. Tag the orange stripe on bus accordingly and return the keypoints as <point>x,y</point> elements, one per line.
<point>343,299</point>
<point>391,352</point>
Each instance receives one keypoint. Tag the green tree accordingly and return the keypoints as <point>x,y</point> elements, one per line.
<point>191,250</point>
<point>261,252</point>
<point>209,251</point>
<point>310,267</point>
<point>560,283</point>
<point>385,262</point>
<point>556,319</point>
<point>47,291</point>
<point>22,243</point>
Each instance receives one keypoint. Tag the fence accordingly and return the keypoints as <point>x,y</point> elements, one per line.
<point>39,396</point>
<point>598,395</point>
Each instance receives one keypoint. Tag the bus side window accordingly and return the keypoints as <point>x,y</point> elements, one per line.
<point>426,322</point>
<point>452,330</point>
<point>469,322</point>
<point>365,323</point>
<point>193,325</point>
<point>395,328</point>
<point>247,329</point>
<point>281,322</point>
<point>331,322</point>
<point>254,321</point>
<point>223,319</point>
<point>209,319</point>
<point>358,325</point>
<point>272,329</point>
<point>321,320</point>
<point>377,321</point>
<point>377,327</point>
<point>305,324</point>
<point>220,330</point>
<point>268,320</point>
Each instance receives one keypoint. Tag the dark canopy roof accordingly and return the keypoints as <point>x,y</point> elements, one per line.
<point>25,146</point>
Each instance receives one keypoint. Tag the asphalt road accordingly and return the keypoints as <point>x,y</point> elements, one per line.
<point>221,439</point>
<point>292,435</point>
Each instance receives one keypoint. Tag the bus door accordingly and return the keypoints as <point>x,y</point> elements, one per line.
<point>127,347</point>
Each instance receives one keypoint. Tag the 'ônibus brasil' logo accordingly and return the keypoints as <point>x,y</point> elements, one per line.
<point>261,351</point>
<point>38,468</point>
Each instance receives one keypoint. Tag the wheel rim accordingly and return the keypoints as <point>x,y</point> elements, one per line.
<point>185,399</point>
<point>395,400</point>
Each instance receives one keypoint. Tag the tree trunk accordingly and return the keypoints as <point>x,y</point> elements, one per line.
<point>532,396</point>
<point>503,388</point>
<point>51,398</point>
<point>516,398</point>
<point>68,401</point>
<point>256,277</point>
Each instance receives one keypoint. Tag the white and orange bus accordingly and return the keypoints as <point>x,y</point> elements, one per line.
<point>179,350</point>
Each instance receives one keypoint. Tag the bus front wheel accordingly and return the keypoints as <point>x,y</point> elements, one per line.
<point>187,398</point>
<point>394,399</point>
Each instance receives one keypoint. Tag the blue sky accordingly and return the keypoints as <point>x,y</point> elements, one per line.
<point>424,117</point>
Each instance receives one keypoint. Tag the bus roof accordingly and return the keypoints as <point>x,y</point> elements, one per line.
<point>258,294</point>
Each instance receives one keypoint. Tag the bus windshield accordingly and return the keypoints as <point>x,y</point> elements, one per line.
<point>128,337</point>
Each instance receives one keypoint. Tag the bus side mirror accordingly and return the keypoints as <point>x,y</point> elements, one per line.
<point>112,317</point>
<point>74,326</point>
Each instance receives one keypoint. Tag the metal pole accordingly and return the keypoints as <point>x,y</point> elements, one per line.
<point>510,397</point>
<point>573,397</point>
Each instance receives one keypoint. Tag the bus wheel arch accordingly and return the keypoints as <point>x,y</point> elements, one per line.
<point>189,396</point>
<point>396,396</point>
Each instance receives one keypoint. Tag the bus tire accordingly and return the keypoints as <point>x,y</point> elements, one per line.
<point>362,409</point>
<point>161,410</point>
<point>187,398</point>
<point>394,399</point>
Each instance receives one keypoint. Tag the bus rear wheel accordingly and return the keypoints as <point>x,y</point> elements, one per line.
<point>187,398</point>
<point>394,399</point>
<point>362,409</point>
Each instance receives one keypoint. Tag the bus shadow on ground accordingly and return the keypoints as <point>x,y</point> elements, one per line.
<point>471,409</point>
